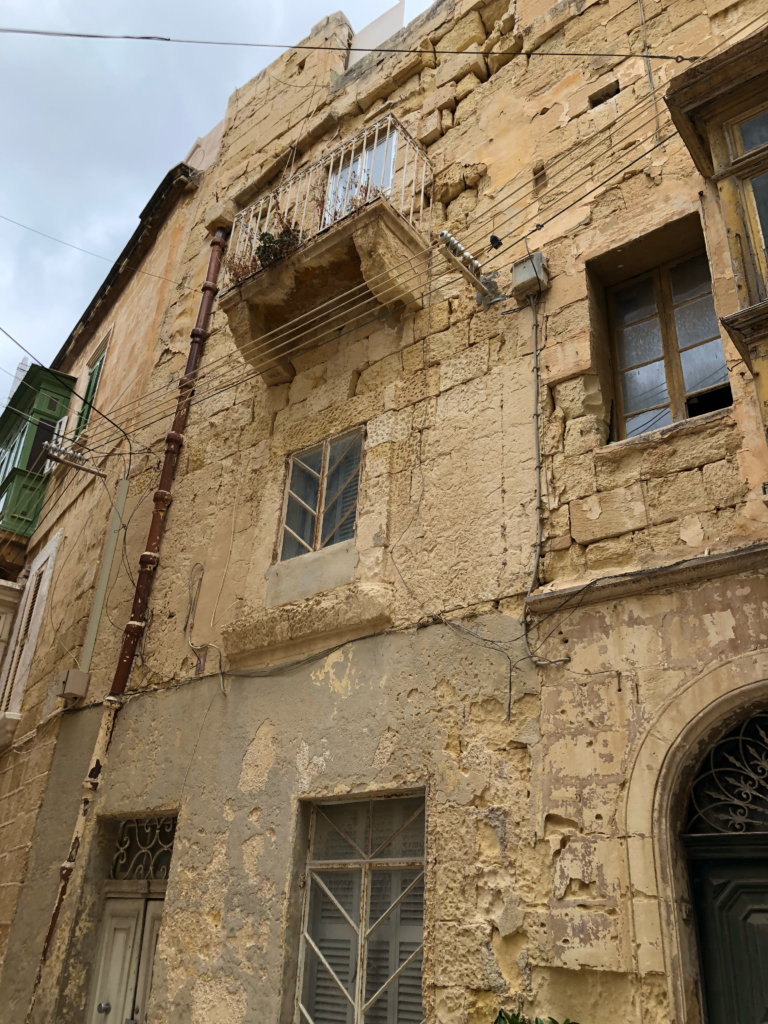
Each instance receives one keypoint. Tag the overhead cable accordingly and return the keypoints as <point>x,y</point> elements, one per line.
<point>678,58</point>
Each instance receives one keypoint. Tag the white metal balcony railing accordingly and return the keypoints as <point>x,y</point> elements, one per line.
<point>382,161</point>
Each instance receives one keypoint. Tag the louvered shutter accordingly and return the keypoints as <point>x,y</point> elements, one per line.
<point>93,382</point>
<point>337,942</point>
<point>393,942</point>
<point>33,591</point>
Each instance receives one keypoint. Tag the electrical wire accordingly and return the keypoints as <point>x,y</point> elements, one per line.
<point>261,343</point>
<point>241,378</point>
<point>97,255</point>
<point>678,58</point>
<point>591,141</point>
<point>75,393</point>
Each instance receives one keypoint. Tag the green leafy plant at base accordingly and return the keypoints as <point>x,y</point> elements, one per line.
<point>272,248</point>
<point>520,1018</point>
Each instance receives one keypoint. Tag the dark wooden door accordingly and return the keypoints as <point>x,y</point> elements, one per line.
<point>729,879</point>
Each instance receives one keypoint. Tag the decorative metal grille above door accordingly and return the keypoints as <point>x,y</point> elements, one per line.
<point>363,920</point>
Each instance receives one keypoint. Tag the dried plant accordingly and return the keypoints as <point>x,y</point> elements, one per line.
<point>504,1017</point>
<point>269,249</point>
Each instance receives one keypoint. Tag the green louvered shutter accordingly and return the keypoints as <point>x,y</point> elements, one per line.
<point>93,382</point>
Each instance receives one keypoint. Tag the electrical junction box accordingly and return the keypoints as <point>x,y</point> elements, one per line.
<point>72,683</point>
<point>529,276</point>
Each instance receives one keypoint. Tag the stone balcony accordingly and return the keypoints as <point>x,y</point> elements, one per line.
<point>344,241</point>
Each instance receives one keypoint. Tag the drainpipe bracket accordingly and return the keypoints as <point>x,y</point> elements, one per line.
<point>162,499</point>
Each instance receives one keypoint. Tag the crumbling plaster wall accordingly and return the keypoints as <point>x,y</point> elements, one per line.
<point>539,893</point>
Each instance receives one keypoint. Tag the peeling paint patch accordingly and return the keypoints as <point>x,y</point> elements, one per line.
<point>259,758</point>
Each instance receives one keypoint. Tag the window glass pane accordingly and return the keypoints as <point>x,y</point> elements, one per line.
<point>337,941</point>
<point>644,387</point>
<point>689,279</point>
<point>342,511</point>
<point>381,172</point>
<point>388,817</point>
<point>399,935</point>
<point>352,820</point>
<point>343,460</point>
<point>704,366</point>
<point>755,131</point>
<point>343,464</point>
<point>304,485</point>
<point>639,343</point>
<point>635,302</point>
<point>291,547</point>
<point>696,321</point>
<point>300,521</point>
<point>760,192</point>
<point>646,421</point>
<point>313,459</point>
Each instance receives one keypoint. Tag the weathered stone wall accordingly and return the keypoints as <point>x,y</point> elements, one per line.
<point>532,895</point>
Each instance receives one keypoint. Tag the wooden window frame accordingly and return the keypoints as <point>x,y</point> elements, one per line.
<point>733,171</point>
<point>365,863</point>
<point>96,362</point>
<point>746,166</point>
<point>673,367</point>
<point>317,543</point>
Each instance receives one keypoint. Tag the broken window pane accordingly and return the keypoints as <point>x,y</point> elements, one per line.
<point>704,366</point>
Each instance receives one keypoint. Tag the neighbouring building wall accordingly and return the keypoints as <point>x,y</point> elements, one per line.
<point>77,510</point>
<point>395,662</point>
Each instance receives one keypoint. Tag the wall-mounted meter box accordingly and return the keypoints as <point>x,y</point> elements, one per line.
<point>529,276</point>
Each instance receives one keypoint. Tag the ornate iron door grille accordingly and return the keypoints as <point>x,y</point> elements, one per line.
<point>730,792</point>
<point>144,848</point>
<point>361,940</point>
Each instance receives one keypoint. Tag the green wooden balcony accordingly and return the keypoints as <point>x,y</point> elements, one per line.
<point>21,498</point>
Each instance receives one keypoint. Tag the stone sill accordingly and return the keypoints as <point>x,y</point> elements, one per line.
<point>9,721</point>
<point>695,425</point>
<point>313,573</point>
<point>270,636</point>
<point>640,581</point>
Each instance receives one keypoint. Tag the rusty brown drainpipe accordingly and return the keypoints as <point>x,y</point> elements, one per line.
<point>135,628</point>
<point>174,439</point>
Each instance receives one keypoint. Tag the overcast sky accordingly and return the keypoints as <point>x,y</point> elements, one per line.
<point>89,129</point>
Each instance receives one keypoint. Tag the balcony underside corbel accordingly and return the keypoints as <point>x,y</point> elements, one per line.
<point>372,263</point>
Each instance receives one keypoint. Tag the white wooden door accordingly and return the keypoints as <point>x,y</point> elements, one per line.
<point>152,921</point>
<point>117,962</point>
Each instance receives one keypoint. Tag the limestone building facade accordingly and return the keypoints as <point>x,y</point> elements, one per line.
<point>445,687</point>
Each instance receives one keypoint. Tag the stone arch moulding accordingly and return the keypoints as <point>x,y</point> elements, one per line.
<point>675,738</point>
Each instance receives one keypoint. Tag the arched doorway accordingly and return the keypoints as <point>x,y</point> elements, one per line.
<point>725,836</point>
